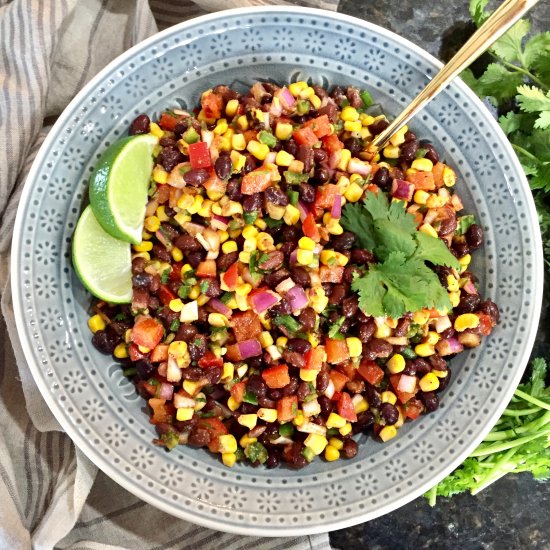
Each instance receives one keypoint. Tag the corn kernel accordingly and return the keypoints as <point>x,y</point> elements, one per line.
<point>399,137</point>
<point>344,159</point>
<point>299,419</point>
<point>304,257</point>
<point>96,323</point>
<point>352,126</point>
<point>266,339</point>
<point>282,341</point>
<point>334,227</point>
<point>366,119</point>
<point>315,100</point>
<point>354,192</point>
<point>143,349</point>
<point>145,255</point>
<point>465,321</point>
<point>316,443</point>
<point>195,292</point>
<point>232,107</point>
<point>341,259</point>
<point>428,230</point>
<point>245,441</point>
<point>185,201</point>
<point>306,243</point>
<point>335,421</point>
<point>144,246</point>
<point>441,373</point>
<point>203,299</point>
<point>243,290</point>
<point>242,302</point>
<point>249,232</point>
<point>224,235</point>
<point>229,246</point>
<point>296,87</point>
<point>283,131</point>
<point>264,241</point>
<point>452,283</point>
<point>388,397</point>
<point>454,298</point>
<point>244,257</point>
<point>160,175</point>
<point>465,260</point>
<point>349,113</point>
<point>331,453</point>
<point>156,130</point>
<point>196,206</point>
<point>152,224</point>
<point>345,430</point>
<point>313,339</point>
<point>267,415</point>
<point>422,165</point>
<point>221,127</point>
<point>327,257</point>
<point>387,433</point>
<point>184,414</point>
<point>396,364</point>
<point>177,254</point>
<point>291,215</point>
<point>228,371</point>
<point>276,212</point>
<point>248,420</point>
<point>429,382</point>
<point>227,443</point>
<point>217,320</point>
<point>306,93</point>
<point>382,331</point>
<point>421,317</point>
<point>355,347</point>
<point>283,158</point>
<point>391,152</point>
<point>257,149</point>
<point>421,197</point>
<point>336,443</point>
<point>361,406</point>
<point>176,305</point>
<point>449,176</point>
<point>424,350</point>
<point>161,213</point>
<point>435,201</point>
<point>232,404</point>
<point>308,375</point>
<point>229,459</point>
<point>120,351</point>
<point>432,338</point>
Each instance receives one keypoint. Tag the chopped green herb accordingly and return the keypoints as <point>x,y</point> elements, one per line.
<point>210,414</point>
<point>287,321</point>
<point>197,341</point>
<point>408,353</point>
<point>308,454</point>
<point>267,138</point>
<point>184,169</point>
<point>366,98</point>
<point>153,382</point>
<point>164,275</point>
<point>420,153</point>
<point>227,297</point>
<point>249,397</point>
<point>170,440</point>
<point>234,225</point>
<point>271,223</point>
<point>293,197</point>
<point>119,317</point>
<point>250,217</point>
<point>334,329</point>
<point>256,452</point>
<point>152,189</point>
<point>293,178</point>
<point>204,285</point>
<point>175,325</point>
<point>286,430</point>
<point>183,291</point>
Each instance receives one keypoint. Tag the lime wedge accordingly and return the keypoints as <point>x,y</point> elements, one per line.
<point>102,263</point>
<point>118,186</point>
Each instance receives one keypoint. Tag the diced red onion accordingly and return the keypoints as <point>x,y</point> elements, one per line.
<point>311,408</point>
<point>397,340</point>
<point>166,391</point>
<point>175,178</point>
<point>407,384</point>
<point>303,210</point>
<point>258,91</point>
<point>285,285</point>
<point>207,136</point>
<point>470,287</point>
<point>193,228</point>
<point>249,348</point>
<point>297,298</point>
<point>430,216</point>
<point>276,109</point>
<point>183,402</point>
<point>163,240</point>
<point>287,99</point>
<point>402,189</point>
<point>329,392</point>
<point>312,428</point>
<point>336,211</point>
<point>151,208</point>
<point>293,258</point>
<point>469,339</point>
<point>281,440</point>
<point>219,222</point>
<point>357,166</point>
<point>334,159</point>
<point>220,307</point>
<point>270,158</point>
<point>173,372</point>
<point>262,301</point>
<point>448,346</point>
<point>442,323</point>
<point>257,431</point>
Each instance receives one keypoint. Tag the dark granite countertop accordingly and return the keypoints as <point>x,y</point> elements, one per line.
<point>512,513</point>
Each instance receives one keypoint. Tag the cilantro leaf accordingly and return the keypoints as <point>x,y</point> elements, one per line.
<point>477,11</point>
<point>390,238</point>
<point>533,100</point>
<point>542,179</point>
<point>377,205</point>
<point>536,51</point>
<point>434,250</point>
<point>510,122</point>
<point>509,46</point>
<point>498,82</point>
<point>354,220</point>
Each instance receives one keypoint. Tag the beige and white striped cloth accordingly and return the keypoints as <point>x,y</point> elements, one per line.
<point>51,496</point>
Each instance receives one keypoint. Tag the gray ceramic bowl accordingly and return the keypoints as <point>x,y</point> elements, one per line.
<point>99,408</point>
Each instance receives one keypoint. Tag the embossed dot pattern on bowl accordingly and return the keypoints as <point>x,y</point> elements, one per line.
<point>100,409</point>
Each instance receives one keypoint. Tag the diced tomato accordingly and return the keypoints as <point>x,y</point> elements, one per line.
<point>163,193</point>
<point>175,273</point>
<point>246,325</point>
<point>437,172</point>
<point>402,396</point>
<point>332,144</point>
<point>345,407</point>
<point>216,428</point>
<point>287,408</point>
<point>326,195</point>
<point>305,136</point>
<point>199,155</point>
<point>320,126</point>
<point>215,185</point>
<point>134,353</point>
<point>310,229</point>
<point>337,350</point>
<point>276,377</point>
<point>485,324</point>
<point>315,358</point>
<point>348,369</point>
<point>413,408</point>
<point>160,353</point>
<point>331,274</point>
<point>147,332</point>
<point>371,372</point>
<point>422,180</point>
<point>237,391</point>
<point>165,295</point>
<point>212,105</point>
<point>151,389</point>
<point>229,278</point>
<point>168,121</point>
<point>206,269</point>
<point>162,412</point>
<point>210,359</point>
<point>338,379</point>
<point>233,352</point>
<point>256,181</point>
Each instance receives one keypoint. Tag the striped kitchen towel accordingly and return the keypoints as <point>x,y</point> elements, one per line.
<point>51,496</point>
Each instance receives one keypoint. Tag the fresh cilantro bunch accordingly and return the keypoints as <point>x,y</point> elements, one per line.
<point>401,281</point>
<point>517,82</point>
<point>520,442</point>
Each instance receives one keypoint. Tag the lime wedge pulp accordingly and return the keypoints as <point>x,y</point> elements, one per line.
<point>102,262</point>
<point>119,184</point>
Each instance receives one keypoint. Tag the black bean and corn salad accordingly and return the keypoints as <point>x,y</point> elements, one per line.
<point>292,289</point>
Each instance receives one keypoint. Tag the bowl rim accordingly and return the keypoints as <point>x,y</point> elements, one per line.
<point>102,462</point>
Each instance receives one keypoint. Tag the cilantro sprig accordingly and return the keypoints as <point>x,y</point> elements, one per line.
<point>401,281</point>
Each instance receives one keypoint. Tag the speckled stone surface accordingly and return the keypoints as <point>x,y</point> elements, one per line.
<point>513,513</point>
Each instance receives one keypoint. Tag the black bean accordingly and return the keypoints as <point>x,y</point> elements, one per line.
<point>274,278</point>
<point>373,397</point>
<point>225,261</point>
<point>431,153</point>
<point>410,136</point>
<point>272,460</point>
<point>430,400</point>
<point>344,241</point>
<point>197,347</point>
<point>474,236</point>
<point>300,275</point>
<point>349,272</point>
<point>444,382</point>
<point>303,391</point>
<point>169,157</point>
<point>389,413</point>
<point>160,252</point>
<point>382,178</point>
<point>233,190</point>
<point>276,196</point>
<point>144,368</point>
<point>306,192</point>
<point>447,226</point>
<point>354,145</point>
<point>253,203</point>
<point>249,164</point>
<point>142,280</point>
<point>105,341</point>
<point>402,327</point>
<point>291,146</point>
<point>349,450</point>
<point>337,295</point>
<point>307,319</point>
<point>361,256</point>
<point>138,265</point>
<point>460,247</point>
<point>192,373</point>
<point>199,437</point>
<point>214,290</point>
<point>421,366</point>
<point>321,175</point>
<point>294,359</point>
<point>196,177</point>
<point>378,126</point>
<point>288,247</point>
<point>319,155</point>
<point>491,309</point>
<point>291,387</point>
<point>364,422</point>
<point>182,126</point>
<point>186,332</point>
<point>213,374</point>
<point>325,404</point>
<point>408,151</point>
<point>282,308</point>
<point>274,260</point>
<point>305,154</point>
<point>299,345</point>
<point>350,306</point>
<point>256,385</point>
<point>366,331</point>
<point>223,167</point>
<point>322,381</point>
<point>140,125</point>
<point>468,303</point>
<point>290,233</point>
<point>187,243</point>
<point>330,110</point>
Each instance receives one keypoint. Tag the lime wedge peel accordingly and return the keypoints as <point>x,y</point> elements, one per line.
<point>119,184</point>
<point>102,262</point>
